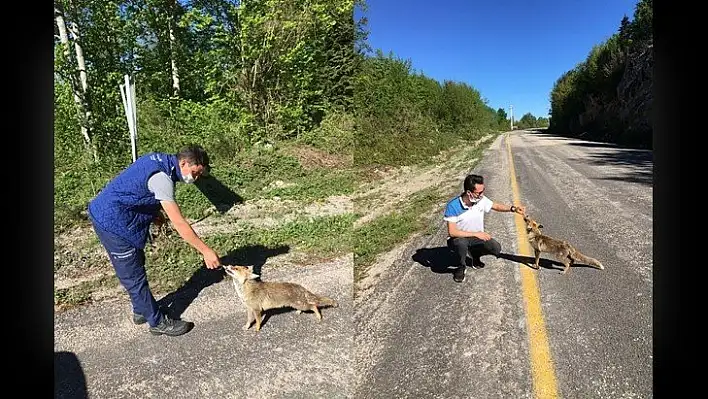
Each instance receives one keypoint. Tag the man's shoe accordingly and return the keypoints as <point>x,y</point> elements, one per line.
<point>459,274</point>
<point>139,319</point>
<point>477,263</point>
<point>171,327</point>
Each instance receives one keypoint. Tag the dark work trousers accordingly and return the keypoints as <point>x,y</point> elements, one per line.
<point>476,247</point>
<point>129,264</point>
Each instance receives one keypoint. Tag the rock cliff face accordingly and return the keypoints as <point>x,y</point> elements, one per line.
<point>635,97</point>
<point>626,117</point>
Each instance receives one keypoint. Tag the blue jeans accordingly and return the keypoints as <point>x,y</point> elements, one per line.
<point>129,264</point>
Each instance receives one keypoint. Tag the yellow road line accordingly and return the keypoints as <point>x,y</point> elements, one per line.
<point>542,371</point>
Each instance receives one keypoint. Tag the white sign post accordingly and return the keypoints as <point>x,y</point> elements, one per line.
<point>127,93</point>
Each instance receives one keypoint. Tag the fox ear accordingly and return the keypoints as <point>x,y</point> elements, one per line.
<point>253,276</point>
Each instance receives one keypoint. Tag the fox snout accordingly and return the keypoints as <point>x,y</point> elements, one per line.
<point>239,272</point>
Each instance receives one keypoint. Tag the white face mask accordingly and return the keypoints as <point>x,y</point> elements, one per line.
<point>188,178</point>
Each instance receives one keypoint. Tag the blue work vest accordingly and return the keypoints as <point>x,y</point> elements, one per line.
<point>125,206</point>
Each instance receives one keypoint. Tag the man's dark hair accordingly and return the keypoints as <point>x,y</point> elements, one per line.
<point>471,181</point>
<point>194,154</point>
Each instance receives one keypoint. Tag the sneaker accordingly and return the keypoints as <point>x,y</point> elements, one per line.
<point>171,327</point>
<point>459,274</point>
<point>139,319</point>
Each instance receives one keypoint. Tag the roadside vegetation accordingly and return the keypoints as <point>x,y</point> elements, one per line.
<point>307,127</point>
<point>608,96</point>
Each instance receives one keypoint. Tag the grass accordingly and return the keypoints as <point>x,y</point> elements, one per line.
<point>81,293</point>
<point>73,253</point>
<point>171,261</point>
<point>244,177</point>
<point>385,232</point>
<point>317,185</point>
<point>325,235</point>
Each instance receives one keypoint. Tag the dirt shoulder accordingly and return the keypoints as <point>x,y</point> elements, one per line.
<point>82,268</point>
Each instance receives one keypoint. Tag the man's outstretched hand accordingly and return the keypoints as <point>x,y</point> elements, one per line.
<point>211,259</point>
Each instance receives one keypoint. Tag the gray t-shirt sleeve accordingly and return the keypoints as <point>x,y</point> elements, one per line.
<point>162,186</point>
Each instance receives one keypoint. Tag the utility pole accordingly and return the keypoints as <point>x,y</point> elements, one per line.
<point>511,111</point>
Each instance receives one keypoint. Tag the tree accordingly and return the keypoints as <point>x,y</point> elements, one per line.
<point>171,7</point>
<point>527,121</point>
<point>625,33</point>
<point>643,21</point>
<point>502,119</point>
<point>75,59</point>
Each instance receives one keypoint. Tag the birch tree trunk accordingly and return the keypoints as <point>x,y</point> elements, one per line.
<point>80,88</point>
<point>81,108</point>
<point>173,55</point>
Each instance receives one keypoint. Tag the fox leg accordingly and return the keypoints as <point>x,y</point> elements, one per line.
<point>317,312</point>
<point>300,306</point>
<point>537,255</point>
<point>567,267</point>
<point>257,313</point>
<point>249,319</point>
<point>567,261</point>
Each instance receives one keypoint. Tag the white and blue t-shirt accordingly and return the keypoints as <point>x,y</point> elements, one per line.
<point>468,218</point>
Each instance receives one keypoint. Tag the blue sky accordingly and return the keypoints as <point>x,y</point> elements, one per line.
<point>512,51</point>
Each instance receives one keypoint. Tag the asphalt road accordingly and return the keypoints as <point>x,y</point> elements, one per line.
<point>99,353</point>
<point>419,334</point>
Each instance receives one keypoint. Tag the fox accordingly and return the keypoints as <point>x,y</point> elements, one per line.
<point>561,249</point>
<point>260,296</point>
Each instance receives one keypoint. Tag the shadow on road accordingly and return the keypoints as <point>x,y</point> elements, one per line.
<point>442,261</point>
<point>175,303</point>
<point>305,313</point>
<point>529,260</point>
<point>439,259</point>
<point>638,162</point>
<point>69,378</point>
<point>542,262</point>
